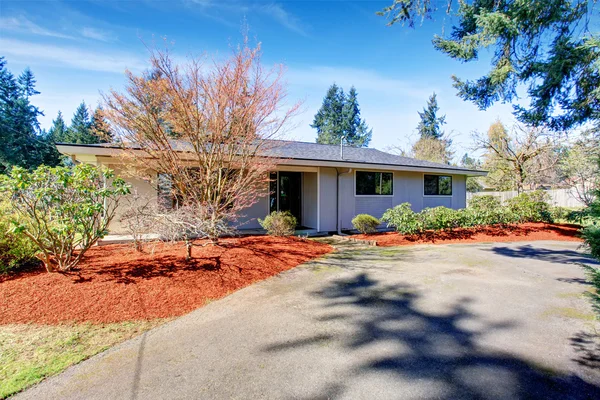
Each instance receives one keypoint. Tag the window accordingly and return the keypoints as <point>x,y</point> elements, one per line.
<point>437,185</point>
<point>374,183</point>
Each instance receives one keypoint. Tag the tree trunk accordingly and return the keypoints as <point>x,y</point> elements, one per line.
<point>188,247</point>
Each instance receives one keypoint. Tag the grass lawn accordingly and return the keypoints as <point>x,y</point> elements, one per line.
<point>31,352</point>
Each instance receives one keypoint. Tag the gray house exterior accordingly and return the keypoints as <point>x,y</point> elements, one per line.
<point>325,186</point>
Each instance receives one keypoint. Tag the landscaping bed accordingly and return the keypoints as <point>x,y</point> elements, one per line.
<point>115,283</point>
<point>509,233</point>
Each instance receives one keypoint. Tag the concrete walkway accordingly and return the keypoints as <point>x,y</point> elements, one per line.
<point>501,321</point>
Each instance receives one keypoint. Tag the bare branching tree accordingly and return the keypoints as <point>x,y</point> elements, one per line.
<point>515,158</point>
<point>207,128</point>
<point>138,217</point>
<point>581,168</point>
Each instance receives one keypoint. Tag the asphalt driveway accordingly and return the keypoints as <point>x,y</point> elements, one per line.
<point>500,321</point>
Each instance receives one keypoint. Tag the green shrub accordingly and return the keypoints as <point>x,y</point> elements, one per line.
<point>403,219</point>
<point>440,218</point>
<point>279,223</point>
<point>16,251</point>
<point>531,207</point>
<point>591,236</point>
<point>485,203</point>
<point>559,213</point>
<point>365,223</point>
<point>63,211</point>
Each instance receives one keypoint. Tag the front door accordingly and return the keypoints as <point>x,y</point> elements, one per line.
<point>288,193</point>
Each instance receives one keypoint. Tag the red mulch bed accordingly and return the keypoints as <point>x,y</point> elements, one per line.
<point>511,233</point>
<point>114,283</point>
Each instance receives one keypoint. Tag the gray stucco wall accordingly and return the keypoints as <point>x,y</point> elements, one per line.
<point>309,199</point>
<point>408,187</point>
<point>249,219</point>
<point>327,187</point>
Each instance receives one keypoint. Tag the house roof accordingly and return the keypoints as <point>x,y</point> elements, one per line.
<point>314,152</point>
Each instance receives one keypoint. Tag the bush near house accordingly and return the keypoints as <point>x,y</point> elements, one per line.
<point>531,207</point>
<point>279,223</point>
<point>16,251</point>
<point>365,223</point>
<point>63,211</point>
<point>482,211</point>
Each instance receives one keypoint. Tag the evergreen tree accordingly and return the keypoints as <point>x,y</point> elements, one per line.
<point>473,183</point>
<point>338,117</point>
<point>59,131</point>
<point>80,130</point>
<point>23,143</point>
<point>100,127</point>
<point>356,130</point>
<point>432,144</point>
<point>430,125</point>
<point>546,46</point>
<point>27,83</point>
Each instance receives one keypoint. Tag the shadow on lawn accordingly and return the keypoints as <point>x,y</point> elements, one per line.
<point>435,350</point>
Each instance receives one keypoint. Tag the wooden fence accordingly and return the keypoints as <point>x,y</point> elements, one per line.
<point>558,197</point>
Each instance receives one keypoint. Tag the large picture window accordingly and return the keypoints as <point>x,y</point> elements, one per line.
<point>437,185</point>
<point>374,183</point>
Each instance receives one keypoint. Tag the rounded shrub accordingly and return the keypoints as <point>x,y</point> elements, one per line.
<point>279,223</point>
<point>440,218</point>
<point>16,251</point>
<point>365,223</point>
<point>531,207</point>
<point>403,219</point>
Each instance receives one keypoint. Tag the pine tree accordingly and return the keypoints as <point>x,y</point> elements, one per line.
<point>23,143</point>
<point>432,145</point>
<point>100,127</point>
<point>27,83</point>
<point>547,47</point>
<point>339,116</point>
<point>58,131</point>
<point>473,183</point>
<point>356,130</point>
<point>430,125</point>
<point>80,130</point>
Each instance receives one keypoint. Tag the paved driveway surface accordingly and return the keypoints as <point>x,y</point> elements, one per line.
<point>500,321</point>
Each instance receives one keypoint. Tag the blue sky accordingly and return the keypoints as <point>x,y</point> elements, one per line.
<point>78,49</point>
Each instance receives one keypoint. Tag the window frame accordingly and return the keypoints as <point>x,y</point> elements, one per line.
<point>373,195</point>
<point>438,175</point>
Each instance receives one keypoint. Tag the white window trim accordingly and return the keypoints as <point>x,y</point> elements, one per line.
<point>377,196</point>
<point>436,195</point>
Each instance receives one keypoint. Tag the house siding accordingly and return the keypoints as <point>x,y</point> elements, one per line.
<point>328,201</point>
<point>408,187</point>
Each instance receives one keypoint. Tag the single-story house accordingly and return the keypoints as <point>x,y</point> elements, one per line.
<point>325,186</point>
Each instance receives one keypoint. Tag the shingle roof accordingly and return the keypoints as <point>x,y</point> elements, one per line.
<point>324,152</point>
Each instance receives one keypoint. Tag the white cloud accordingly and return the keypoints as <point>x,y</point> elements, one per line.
<point>78,58</point>
<point>97,34</point>
<point>279,14</point>
<point>273,10</point>
<point>24,25</point>
<point>364,80</point>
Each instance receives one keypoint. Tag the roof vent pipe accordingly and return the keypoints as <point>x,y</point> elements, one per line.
<point>342,147</point>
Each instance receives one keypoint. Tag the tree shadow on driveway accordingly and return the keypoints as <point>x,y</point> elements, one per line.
<point>545,254</point>
<point>431,349</point>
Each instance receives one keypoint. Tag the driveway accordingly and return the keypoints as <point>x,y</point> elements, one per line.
<point>499,321</point>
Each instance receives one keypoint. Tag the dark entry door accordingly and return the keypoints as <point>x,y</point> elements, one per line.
<point>290,193</point>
